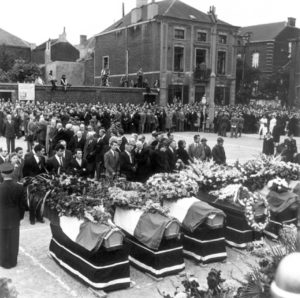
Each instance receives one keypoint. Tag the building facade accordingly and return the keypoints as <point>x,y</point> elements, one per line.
<point>268,46</point>
<point>174,44</point>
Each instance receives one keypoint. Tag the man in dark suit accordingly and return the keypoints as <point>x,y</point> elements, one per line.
<point>12,208</point>
<point>55,164</point>
<point>67,155</point>
<point>196,150</point>
<point>3,155</point>
<point>34,162</point>
<point>112,160</point>
<point>89,153</point>
<point>218,152</point>
<point>101,146</point>
<point>171,153</point>
<point>77,141</point>
<point>78,165</point>
<point>10,133</point>
<point>58,135</point>
<point>127,166</point>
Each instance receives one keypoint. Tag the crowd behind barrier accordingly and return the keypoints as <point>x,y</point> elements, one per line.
<point>76,137</point>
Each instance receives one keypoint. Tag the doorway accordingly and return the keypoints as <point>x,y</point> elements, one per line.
<point>178,93</point>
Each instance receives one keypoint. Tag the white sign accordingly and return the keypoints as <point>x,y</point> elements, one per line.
<point>26,91</point>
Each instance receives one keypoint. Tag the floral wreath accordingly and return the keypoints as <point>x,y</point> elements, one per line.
<point>249,200</point>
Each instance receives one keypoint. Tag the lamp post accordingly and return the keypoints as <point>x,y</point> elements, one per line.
<point>246,39</point>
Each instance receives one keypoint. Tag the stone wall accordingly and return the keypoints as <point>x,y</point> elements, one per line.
<point>82,94</point>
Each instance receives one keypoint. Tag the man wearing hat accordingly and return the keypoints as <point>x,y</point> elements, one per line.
<point>12,208</point>
<point>218,152</point>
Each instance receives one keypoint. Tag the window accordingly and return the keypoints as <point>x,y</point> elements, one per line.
<point>255,60</point>
<point>201,36</point>
<point>200,57</point>
<point>178,58</point>
<point>223,38</point>
<point>221,66</point>
<point>105,62</point>
<point>179,33</point>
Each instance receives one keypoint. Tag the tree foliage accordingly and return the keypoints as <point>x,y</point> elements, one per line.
<point>6,60</point>
<point>20,72</point>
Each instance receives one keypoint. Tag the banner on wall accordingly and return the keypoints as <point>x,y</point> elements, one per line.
<point>26,91</point>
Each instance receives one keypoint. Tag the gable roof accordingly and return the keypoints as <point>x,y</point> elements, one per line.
<point>12,40</point>
<point>263,32</point>
<point>168,8</point>
<point>43,45</point>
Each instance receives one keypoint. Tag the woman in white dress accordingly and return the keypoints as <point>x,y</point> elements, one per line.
<point>263,127</point>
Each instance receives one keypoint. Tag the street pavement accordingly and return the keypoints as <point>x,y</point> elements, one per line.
<point>38,276</point>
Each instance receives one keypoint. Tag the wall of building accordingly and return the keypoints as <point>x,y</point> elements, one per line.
<point>266,54</point>
<point>143,51</point>
<point>89,72</point>
<point>74,71</point>
<point>82,94</point>
<point>281,54</point>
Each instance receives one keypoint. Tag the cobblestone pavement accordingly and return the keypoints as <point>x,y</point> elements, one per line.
<point>38,276</point>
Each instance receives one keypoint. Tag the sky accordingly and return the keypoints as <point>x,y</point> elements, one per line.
<point>36,21</point>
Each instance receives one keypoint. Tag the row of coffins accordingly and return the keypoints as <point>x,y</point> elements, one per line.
<point>154,243</point>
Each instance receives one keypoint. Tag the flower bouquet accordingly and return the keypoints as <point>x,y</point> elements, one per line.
<point>126,198</point>
<point>278,184</point>
<point>171,187</point>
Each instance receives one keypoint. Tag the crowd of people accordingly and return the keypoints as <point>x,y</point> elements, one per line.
<point>89,141</point>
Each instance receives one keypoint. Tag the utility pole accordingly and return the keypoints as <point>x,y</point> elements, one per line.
<point>213,49</point>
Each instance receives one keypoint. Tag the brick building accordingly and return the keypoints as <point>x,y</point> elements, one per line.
<point>269,46</point>
<point>15,46</point>
<point>175,44</point>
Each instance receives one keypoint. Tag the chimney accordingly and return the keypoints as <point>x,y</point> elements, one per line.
<point>152,10</point>
<point>140,3</point>
<point>291,22</point>
<point>63,37</point>
<point>48,52</point>
<point>83,39</point>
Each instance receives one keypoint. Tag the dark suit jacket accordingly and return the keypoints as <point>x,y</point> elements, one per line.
<point>126,167</point>
<point>31,167</point>
<point>89,151</point>
<point>172,158</point>
<point>12,204</point>
<point>9,130</point>
<point>75,143</point>
<point>160,163</point>
<point>77,169</point>
<point>67,158</point>
<point>101,147</point>
<point>53,165</point>
<point>111,163</point>
<point>142,160</point>
<point>218,154</point>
